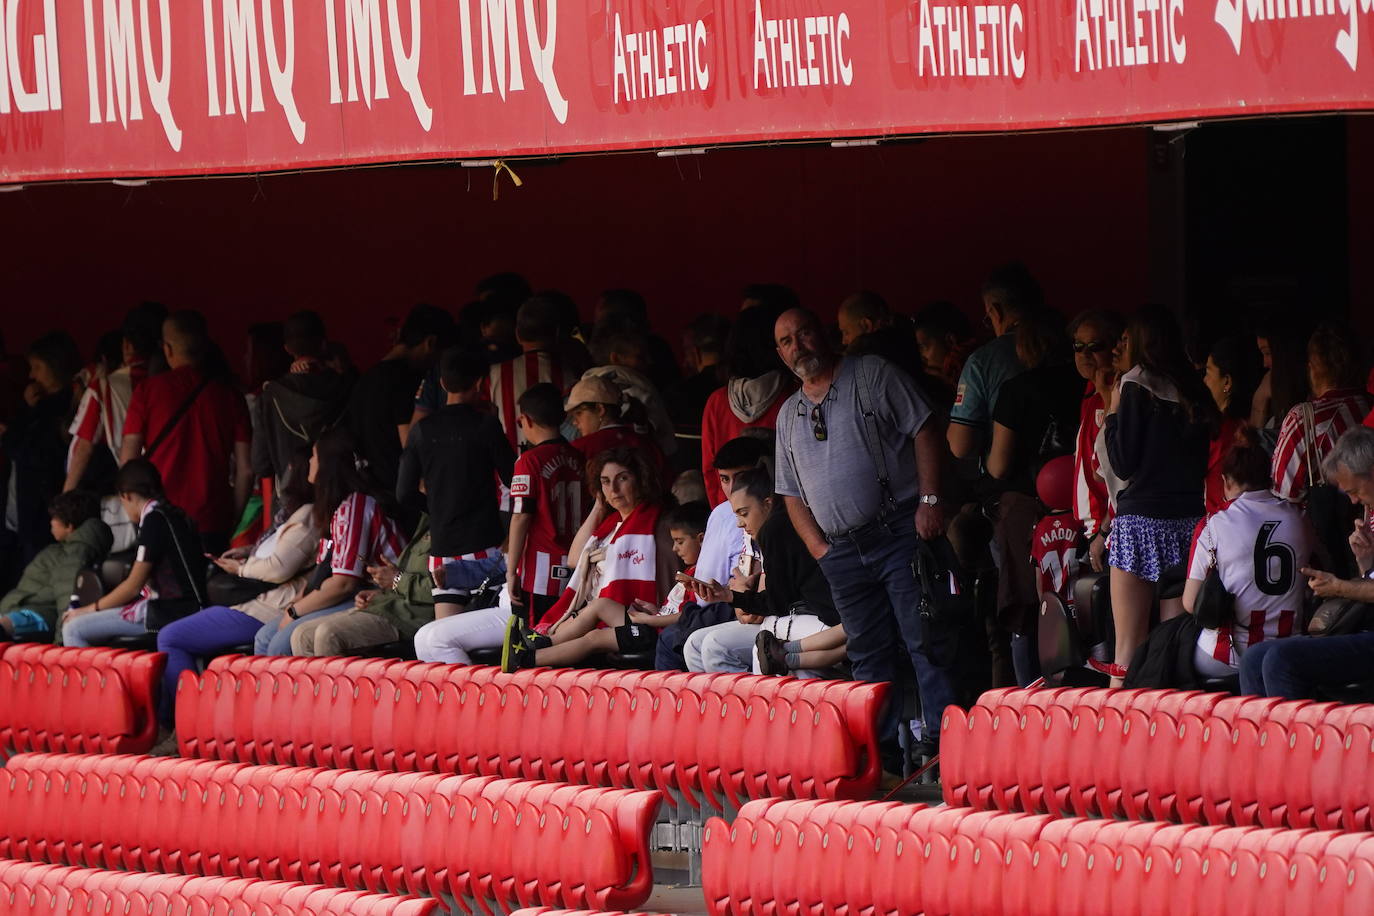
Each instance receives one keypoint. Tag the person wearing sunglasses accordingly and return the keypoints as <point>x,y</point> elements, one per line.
<point>858,468</point>
<point>1094,334</point>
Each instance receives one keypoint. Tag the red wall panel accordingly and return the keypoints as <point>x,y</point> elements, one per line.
<point>915,222</point>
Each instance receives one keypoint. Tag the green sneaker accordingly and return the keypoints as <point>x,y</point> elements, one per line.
<point>517,650</point>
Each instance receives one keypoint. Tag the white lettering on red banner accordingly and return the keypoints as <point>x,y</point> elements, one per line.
<point>1232,19</point>
<point>134,88</point>
<point>806,51</point>
<point>46,91</point>
<point>1127,33</point>
<point>661,61</point>
<point>973,39</point>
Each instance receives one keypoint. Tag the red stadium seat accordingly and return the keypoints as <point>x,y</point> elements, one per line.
<point>336,827</point>
<point>48,890</point>
<point>848,858</point>
<point>730,738</point>
<point>55,698</point>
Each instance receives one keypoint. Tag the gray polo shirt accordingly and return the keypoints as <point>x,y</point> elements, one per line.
<point>838,478</point>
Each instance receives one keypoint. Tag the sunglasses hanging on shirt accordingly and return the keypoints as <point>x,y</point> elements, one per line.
<point>818,423</point>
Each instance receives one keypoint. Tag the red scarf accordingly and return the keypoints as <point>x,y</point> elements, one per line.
<point>630,569</point>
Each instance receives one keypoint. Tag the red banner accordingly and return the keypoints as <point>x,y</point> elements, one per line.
<point>126,88</point>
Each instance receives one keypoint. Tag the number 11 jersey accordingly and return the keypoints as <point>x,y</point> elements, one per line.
<point>547,484</point>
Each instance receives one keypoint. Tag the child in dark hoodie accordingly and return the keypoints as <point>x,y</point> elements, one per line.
<point>29,612</point>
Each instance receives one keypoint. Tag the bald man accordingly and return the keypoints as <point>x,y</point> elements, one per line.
<point>860,490</point>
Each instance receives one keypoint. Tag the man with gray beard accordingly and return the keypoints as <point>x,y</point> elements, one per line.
<point>858,464</point>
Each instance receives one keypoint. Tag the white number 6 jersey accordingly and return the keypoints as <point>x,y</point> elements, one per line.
<point>1260,543</point>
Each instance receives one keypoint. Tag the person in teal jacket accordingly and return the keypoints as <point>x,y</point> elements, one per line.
<point>29,611</point>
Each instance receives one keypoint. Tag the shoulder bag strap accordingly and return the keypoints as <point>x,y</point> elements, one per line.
<point>870,428</point>
<point>791,423</point>
<point>1315,477</point>
<point>176,418</point>
<point>185,566</point>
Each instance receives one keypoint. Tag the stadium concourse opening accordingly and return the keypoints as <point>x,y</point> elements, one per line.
<point>1218,219</point>
<point>328,783</point>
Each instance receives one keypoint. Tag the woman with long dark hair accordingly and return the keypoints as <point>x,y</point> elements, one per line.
<point>275,567</point>
<point>1280,342</point>
<point>1160,423</point>
<point>1270,596</point>
<point>357,519</point>
<point>1231,375</point>
<point>620,554</point>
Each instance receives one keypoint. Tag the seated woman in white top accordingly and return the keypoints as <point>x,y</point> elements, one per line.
<point>1258,545</point>
<point>280,559</point>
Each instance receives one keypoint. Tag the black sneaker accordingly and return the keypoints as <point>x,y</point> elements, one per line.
<point>518,648</point>
<point>772,658</point>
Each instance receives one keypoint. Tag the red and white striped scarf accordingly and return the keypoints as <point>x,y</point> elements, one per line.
<point>629,570</point>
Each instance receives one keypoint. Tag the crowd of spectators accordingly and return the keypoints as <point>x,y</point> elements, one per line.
<point>888,498</point>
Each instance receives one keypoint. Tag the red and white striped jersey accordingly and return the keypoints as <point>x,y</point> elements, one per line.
<point>1090,504</point>
<point>104,404</point>
<point>507,381</point>
<point>1333,414</point>
<point>361,535</point>
<point>1056,545</point>
<point>679,595</point>
<point>547,484</point>
<point>1260,543</point>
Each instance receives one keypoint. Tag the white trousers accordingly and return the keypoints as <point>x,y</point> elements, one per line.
<point>452,638</point>
<point>730,646</point>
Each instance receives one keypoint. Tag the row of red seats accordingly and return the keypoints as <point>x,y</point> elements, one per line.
<point>36,889</point>
<point>796,858</point>
<point>550,911</point>
<point>55,698</point>
<point>1193,769</point>
<point>1180,703</point>
<point>477,838</point>
<point>704,738</point>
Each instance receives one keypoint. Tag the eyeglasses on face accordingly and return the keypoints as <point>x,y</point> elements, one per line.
<point>1090,347</point>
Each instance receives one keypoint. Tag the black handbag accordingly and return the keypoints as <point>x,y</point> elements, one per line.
<point>162,611</point>
<point>1340,617</point>
<point>1214,606</point>
<point>946,595</point>
<point>224,589</point>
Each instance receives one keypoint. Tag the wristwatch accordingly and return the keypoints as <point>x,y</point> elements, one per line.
<point>930,499</point>
<point>291,612</point>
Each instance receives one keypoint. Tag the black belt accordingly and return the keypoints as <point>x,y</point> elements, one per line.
<point>868,529</point>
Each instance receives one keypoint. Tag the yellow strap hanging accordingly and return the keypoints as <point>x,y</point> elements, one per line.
<point>500,167</point>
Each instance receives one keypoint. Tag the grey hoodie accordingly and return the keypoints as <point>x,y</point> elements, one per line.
<point>750,398</point>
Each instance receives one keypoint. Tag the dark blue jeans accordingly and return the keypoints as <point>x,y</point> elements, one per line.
<point>877,595</point>
<point>202,633</point>
<point>1293,668</point>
